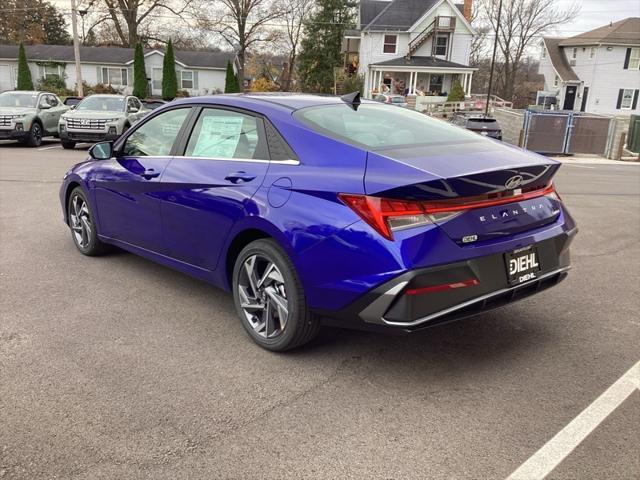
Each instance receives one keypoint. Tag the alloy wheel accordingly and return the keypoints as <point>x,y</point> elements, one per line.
<point>80,221</point>
<point>263,296</point>
<point>37,133</point>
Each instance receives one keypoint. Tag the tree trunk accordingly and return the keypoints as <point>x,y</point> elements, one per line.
<point>241,69</point>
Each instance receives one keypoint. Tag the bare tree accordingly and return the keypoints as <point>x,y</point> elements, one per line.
<point>295,14</point>
<point>128,17</point>
<point>521,24</point>
<point>242,24</point>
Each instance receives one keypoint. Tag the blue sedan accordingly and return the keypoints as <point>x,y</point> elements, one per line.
<point>318,210</point>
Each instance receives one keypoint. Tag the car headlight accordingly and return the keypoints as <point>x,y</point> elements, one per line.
<point>109,120</point>
<point>18,118</point>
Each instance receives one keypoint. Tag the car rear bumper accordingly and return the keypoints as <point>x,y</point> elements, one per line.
<point>480,284</point>
<point>88,137</point>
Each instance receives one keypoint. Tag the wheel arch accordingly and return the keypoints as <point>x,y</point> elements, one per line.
<point>67,194</point>
<point>243,236</point>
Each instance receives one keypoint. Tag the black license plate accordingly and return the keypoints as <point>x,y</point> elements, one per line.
<point>522,265</point>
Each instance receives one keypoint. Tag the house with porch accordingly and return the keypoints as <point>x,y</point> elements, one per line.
<point>597,71</point>
<point>198,72</point>
<point>415,47</point>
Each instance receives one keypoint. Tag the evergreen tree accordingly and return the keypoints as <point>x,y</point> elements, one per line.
<point>231,84</point>
<point>169,80</point>
<point>140,85</point>
<point>24,74</point>
<point>322,44</point>
<point>457,92</point>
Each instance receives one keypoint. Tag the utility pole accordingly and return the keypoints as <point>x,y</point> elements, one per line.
<point>493,59</point>
<point>76,48</point>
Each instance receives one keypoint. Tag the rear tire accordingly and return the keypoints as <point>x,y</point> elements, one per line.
<point>67,145</point>
<point>269,298</point>
<point>82,225</point>
<point>34,138</point>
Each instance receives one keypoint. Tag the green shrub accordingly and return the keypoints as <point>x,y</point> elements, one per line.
<point>24,74</point>
<point>169,78</point>
<point>457,92</point>
<point>55,84</point>
<point>99,88</point>
<point>140,85</point>
<point>231,84</point>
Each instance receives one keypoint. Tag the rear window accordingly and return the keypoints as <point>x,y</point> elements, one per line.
<point>483,123</point>
<point>380,126</point>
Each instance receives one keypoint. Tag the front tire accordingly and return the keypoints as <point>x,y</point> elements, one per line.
<point>82,225</point>
<point>269,298</point>
<point>68,145</point>
<point>34,139</point>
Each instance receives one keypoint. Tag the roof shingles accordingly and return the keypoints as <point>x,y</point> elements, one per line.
<point>112,55</point>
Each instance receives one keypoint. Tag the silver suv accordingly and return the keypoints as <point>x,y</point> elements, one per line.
<point>27,116</point>
<point>98,118</point>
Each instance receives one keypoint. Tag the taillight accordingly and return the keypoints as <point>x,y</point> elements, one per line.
<point>387,215</point>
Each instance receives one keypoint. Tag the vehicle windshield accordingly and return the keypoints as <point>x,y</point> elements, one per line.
<point>380,126</point>
<point>105,104</point>
<point>482,122</point>
<point>15,99</point>
<point>397,100</point>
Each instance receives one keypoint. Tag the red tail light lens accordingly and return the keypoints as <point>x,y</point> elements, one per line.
<point>387,215</point>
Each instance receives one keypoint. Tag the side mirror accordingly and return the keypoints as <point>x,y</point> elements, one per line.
<point>101,151</point>
<point>73,107</point>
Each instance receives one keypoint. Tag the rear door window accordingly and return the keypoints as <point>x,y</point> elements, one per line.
<point>156,137</point>
<point>227,134</point>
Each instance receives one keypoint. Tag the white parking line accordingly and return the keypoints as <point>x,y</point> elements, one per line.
<point>577,166</point>
<point>566,440</point>
<point>48,148</point>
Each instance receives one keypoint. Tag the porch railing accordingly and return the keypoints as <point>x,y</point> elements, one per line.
<point>440,24</point>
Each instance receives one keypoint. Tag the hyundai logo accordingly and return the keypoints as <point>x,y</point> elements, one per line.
<point>514,182</point>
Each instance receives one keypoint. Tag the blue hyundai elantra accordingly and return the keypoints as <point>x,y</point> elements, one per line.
<point>320,210</point>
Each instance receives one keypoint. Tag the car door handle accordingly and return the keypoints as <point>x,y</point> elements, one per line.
<point>150,173</point>
<point>239,177</point>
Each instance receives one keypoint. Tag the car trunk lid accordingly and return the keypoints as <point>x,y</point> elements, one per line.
<point>475,191</point>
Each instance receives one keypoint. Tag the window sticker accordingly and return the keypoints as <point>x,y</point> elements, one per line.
<point>219,136</point>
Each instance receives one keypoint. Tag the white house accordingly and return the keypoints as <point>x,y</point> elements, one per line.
<point>199,73</point>
<point>411,46</point>
<point>597,71</point>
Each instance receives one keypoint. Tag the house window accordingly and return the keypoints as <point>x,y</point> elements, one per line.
<point>592,52</point>
<point>574,53</point>
<point>556,81</point>
<point>634,59</point>
<point>435,84</point>
<point>115,76</point>
<point>627,99</point>
<point>544,52</point>
<point>390,44</point>
<point>441,45</point>
<point>51,71</point>
<point>186,79</point>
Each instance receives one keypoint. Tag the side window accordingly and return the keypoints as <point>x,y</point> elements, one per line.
<point>156,137</point>
<point>44,100</point>
<point>53,101</point>
<point>227,134</point>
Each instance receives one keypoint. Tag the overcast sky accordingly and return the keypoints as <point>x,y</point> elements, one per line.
<point>596,13</point>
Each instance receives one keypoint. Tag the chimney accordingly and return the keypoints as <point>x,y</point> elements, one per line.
<point>466,9</point>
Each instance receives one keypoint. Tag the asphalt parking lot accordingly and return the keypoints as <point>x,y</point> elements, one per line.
<point>115,367</point>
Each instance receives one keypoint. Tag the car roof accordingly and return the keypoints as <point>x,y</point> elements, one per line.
<point>26,91</point>
<point>292,101</point>
<point>110,95</point>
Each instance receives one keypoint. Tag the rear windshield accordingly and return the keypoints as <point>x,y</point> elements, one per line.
<point>482,122</point>
<point>397,99</point>
<point>380,126</point>
<point>105,104</point>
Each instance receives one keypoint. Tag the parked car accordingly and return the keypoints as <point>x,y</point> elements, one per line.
<point>320,210</point>
<point>398,100</point>
<point>153,103</point>
<point>99,117</point>
<point>478,123</point>
<point>72,101</point>
<point>28,116</point>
